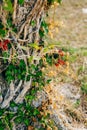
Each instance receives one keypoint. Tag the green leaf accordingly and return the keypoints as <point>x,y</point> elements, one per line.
<point>8,73</point>
<point>41,33</point>
<point>11,67</point>
<point>19,77</point>
<point>26,121</point>
<point>59,1</point>
<point>33,23</point>
<point>10,78</point>
<point>30,59</point>
<point>20,106</point>
<point>77,103</point>
<point>33,67</point>
<point>10,115</point>
<point>1,112</point>
<point>22,64</point>
<point>49,59</point>
<point>52,1</point>
<point>38,73</point>
<point>2,32</point>
<point>44,25</point>
<point>33,91</point>
<point>2,127</point>
<point>34,45</point>
<point>15,71</point>
<point>48,81</point>
<point>14,29</point>
<point>8,6</point>
<point>21,2</point>
<point>12,104</point>
<point>36,112</point>
<point>18,119</point>
<point>28,78</point>
<point>84,88</point>
<point>9,22</point>
<point>31,97</point>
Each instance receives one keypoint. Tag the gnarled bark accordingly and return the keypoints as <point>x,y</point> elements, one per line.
<point>22,18</point>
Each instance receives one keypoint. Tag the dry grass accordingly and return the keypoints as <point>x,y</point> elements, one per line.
<point>72,35</point>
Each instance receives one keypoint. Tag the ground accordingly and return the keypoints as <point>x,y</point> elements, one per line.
<point>74,22</point>
<point>68,102</point>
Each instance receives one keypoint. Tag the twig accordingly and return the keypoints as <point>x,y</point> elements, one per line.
<point>14,13</point>
<point>25,32</point>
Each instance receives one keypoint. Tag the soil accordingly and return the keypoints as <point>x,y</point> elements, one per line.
<point>74,20</point>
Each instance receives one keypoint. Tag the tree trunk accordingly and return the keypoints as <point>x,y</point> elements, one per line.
<point>27,19</point>
<point>24,16</point>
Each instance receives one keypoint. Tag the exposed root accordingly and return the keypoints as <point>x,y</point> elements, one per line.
<point>23,92</point>
<point>12,94</point>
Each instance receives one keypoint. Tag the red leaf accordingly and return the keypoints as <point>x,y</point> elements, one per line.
<point>61,62</point>
<point>4,47</point>
<point>6,41</point>
<point>57,64</point>
<point>61,53</point>
<point>3,44</point>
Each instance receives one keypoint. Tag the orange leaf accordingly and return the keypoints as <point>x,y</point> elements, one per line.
<point>30,128</point>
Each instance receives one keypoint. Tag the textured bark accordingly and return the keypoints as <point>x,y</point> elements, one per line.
<point>32,10</point>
